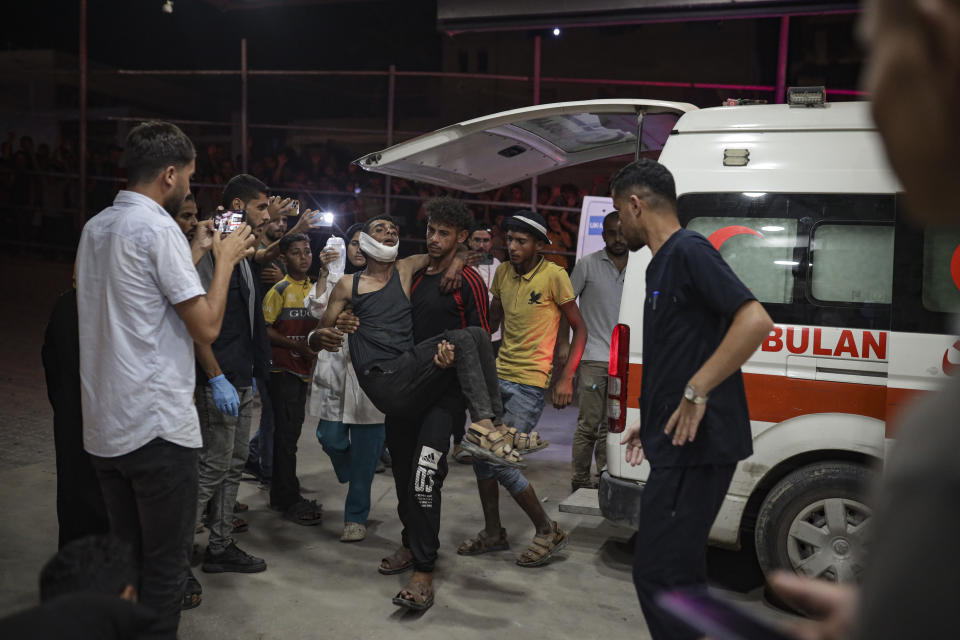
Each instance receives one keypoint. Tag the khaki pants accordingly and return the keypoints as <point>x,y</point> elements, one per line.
<point>590,438</point>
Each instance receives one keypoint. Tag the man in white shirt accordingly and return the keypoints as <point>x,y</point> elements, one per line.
<point>141,306</point>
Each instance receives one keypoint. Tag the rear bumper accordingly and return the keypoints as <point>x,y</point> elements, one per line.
<point>620,500</point>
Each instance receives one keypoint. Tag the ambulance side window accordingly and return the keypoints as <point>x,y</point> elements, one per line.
<point>926,276</point>
<point>852,263</point>
<point>941,270</point>
<point>759,250</point>
<point>822,259</point>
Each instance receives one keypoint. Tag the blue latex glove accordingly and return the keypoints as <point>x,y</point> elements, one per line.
<point>225,396</point>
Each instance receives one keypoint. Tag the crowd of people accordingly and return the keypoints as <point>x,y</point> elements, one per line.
<point>40,193</point>
<point>382,349</point>
<point>156,313</point>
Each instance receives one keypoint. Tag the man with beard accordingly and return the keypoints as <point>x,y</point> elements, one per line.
<point>226,371</point>
<point>140,308</point>
<point>598,281</point>
<point>272,272</point>
<point>187,217</point>
<point>700,324</point>
<point>419,441</point>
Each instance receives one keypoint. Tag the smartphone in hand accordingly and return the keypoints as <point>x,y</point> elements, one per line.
<point>228,221</point>
<point>716,618</point>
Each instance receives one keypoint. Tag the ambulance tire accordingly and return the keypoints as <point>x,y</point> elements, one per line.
<point>794,528</point>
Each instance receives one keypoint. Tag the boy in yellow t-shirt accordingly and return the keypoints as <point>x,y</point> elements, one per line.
<point>529,296</point>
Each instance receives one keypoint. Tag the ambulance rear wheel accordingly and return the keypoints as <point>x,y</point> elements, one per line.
<point>816,522</point>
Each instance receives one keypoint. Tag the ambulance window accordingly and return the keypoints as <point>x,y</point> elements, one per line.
<point>941,270</point>
<point>852,263</point>
<point>759,250</point>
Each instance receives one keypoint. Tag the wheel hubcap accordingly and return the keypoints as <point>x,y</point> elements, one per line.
<point>827,539</point>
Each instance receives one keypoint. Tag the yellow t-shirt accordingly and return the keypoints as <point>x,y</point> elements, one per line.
<point>531,317</point>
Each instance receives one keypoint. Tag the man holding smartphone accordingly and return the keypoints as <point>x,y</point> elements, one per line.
<point>226,371</point>
<point>135,278</point>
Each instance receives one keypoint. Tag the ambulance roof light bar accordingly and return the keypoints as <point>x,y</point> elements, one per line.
<point>807,96</point>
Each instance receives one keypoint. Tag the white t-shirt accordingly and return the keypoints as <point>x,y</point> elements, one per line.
<point>486,272</point>
<point>136,355</point>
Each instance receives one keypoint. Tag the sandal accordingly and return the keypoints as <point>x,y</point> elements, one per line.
<point>239,507</point>
<point>524,443</point>
<point>401,560</point>
<point>239,526</point>
<point>305,512</point>
<point>419,596</point>
<point>491,446</point>
<point>543,547</point>
<point>483,543</point>
<point>191,593</point>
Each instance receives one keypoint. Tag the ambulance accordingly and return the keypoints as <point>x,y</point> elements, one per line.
<point>800,202</point>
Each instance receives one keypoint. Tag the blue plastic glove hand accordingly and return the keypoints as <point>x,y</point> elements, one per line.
<point>225,396</point>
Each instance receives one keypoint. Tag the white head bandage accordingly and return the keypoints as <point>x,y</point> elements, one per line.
<point>377,251</point>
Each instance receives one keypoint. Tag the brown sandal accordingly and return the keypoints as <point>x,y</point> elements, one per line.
<point>491,446</point>
<point>399,561</point>
<point>416,596</point>
<point>543,547</point>
<point>524,443</point>
<point>482,543</point>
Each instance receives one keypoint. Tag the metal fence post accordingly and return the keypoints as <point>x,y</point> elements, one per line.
<point>782,59</point>
<point>391,99</point>
<point>82,150</point>
<point>243,105</point>
<point>536,100</point>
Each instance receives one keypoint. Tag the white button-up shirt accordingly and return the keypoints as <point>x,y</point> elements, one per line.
<point>136,355</point>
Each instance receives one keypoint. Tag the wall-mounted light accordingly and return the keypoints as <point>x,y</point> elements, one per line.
<point>556,31</point>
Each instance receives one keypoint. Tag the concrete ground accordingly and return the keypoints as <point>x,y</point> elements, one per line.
<point>315,585</point>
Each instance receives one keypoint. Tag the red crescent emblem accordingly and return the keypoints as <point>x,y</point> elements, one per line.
<point>955,267</point>
<point>948,367</point>
<point>718,237</point>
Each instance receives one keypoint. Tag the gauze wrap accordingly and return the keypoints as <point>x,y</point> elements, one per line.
<point>376,251</point>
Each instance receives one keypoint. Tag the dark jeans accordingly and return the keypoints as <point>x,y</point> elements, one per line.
<point>288,395</point>
<point>404,385</point>
<point>677,510</point>
<point>151,497</point>
<point>418,447</point>
<point>261,444</point>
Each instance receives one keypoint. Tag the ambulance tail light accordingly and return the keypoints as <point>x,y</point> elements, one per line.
<point>617,379</point>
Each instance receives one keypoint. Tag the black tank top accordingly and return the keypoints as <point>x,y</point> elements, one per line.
<point>386,323</point>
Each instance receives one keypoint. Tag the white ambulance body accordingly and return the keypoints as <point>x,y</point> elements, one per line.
<point>802,205</point>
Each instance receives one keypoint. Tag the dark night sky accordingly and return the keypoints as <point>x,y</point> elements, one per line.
<point>136,34</point>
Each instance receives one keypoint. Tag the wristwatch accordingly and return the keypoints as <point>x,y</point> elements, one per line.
<point>690,393</point>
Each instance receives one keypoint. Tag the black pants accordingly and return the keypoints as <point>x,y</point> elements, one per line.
<point>677,510</point>
<point>151,498</point>
<point>406,384</point>
<point>288,395</point>
<point>80,508</point>
<point>418,447</point>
